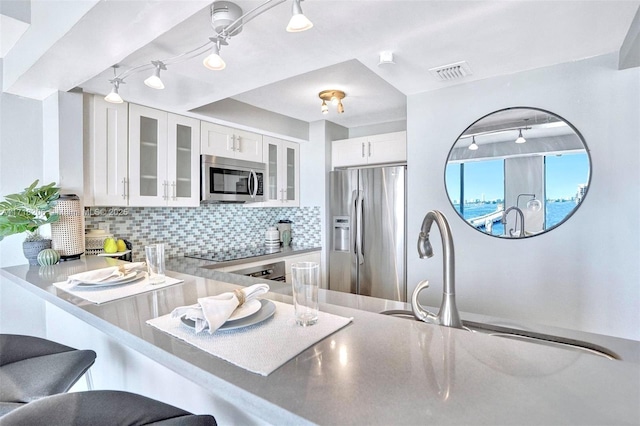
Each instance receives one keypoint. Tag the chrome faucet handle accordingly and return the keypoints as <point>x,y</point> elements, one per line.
<point>418,311</point>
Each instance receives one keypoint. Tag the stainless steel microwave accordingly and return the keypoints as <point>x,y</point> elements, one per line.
<point>227,180</point>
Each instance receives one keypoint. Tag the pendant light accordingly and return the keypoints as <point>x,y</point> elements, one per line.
<point>154,80</point>
<point>214,61</point>
<point>298,21</point>
<point>521,138</point>
<point>473,145</point>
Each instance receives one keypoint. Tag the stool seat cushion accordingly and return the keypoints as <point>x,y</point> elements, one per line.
<point>34,378</point>
<point>102,408</point>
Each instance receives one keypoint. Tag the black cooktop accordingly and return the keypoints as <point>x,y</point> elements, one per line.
<point>242,253</point>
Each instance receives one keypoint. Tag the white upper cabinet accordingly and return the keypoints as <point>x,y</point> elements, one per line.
<point>183,161</point>
<point>163,158</point>
<point>222,141</point>
<point>367,150</point>
<point>282,179</point>
<point>147,156</point>
<point>141,156</point>
<point>106,153</point>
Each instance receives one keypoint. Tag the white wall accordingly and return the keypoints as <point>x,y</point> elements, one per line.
<point>315,164</point>
<point>583,275</point>
<point>20,159</point>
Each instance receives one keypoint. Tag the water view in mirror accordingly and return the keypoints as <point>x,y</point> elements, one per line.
<point>517,172</point>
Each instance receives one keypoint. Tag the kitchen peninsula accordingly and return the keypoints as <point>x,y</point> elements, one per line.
<point>376,370</point>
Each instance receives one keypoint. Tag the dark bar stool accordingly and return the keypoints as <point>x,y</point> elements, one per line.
<point>33,368</point>
<point>102,408</point>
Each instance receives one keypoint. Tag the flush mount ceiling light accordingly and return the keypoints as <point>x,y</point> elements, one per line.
<point>227,20</point>
<point>333,96</point>
<point>474,145</point>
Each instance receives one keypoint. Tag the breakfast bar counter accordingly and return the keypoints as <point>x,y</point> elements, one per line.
<point>376,370</point>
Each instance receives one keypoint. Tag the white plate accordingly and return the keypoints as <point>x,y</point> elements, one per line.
<point>249,308</point>
<point>266,311</point>
<point>131,276</point>
<point>120,253</point>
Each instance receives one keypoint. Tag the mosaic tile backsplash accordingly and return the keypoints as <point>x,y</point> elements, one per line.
<point>208,228</point>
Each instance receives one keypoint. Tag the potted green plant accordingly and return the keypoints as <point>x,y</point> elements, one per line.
<point>26,212</point>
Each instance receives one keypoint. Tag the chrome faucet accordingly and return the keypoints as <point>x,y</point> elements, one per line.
<point>448,315</point>
<point>504,221</point>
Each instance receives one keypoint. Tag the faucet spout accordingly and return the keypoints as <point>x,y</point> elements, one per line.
<point>504,221</point>
<point>448,315</point>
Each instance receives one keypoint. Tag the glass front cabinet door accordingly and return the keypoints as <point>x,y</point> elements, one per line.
<point>163,158</point>
<point>283,175</point>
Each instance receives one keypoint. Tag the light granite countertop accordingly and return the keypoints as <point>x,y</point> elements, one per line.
<point>377,370</point>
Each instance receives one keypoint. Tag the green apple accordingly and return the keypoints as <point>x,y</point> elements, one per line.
<point>110,246</point>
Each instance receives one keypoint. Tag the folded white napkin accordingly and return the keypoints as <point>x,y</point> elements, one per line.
<point>213,311</point>
<point>105,274</point>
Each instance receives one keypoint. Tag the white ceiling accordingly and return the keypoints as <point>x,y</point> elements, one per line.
<point>283,72</point>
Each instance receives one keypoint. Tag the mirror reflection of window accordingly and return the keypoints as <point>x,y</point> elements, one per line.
<point>566,178</point>
<point>481,185</point>
<point>517,173</point>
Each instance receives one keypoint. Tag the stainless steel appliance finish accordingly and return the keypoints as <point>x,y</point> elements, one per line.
<point>226,180</point>
<point>272,271</point>
<point>368,253</point>
<point>236,254</point>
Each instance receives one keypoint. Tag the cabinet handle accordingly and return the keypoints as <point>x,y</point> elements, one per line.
<point>165,185</point>
<point>124,188</point>
<point>369,149</point>
<point>233,143</point>
<point>173,186</point>
<point>238,147</point>
<point>362,149</point>
<point>282,195</point>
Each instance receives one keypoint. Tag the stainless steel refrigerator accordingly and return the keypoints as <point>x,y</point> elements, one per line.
<point>367,253</point>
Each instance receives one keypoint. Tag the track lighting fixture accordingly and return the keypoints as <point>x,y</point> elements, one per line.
<point>333,96</point>
<point>214,61</point>
<point>227,20</point>
<point>520,138</point>
<point>114,97</point>
<point>298,21</point>
<point>154,80</point>
<point>474,145</point>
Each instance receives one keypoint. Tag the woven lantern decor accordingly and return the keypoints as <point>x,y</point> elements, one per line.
<point>67,234</point>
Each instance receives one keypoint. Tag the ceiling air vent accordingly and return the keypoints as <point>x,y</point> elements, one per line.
<point>452,71</point>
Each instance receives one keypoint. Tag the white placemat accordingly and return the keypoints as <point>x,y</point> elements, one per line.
<point>107,294</point>
<point>259,348</point>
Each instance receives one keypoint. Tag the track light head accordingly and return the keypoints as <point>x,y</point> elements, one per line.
<point>154,80</point>
<point>114,97</point>
<point>298,21</point>
<point>214,61</point>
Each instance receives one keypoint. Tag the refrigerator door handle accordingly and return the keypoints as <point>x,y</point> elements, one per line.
<point>359,229</point>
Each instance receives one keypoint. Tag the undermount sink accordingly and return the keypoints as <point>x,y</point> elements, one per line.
<point>523,335</point>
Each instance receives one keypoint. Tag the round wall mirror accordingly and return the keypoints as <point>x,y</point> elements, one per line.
<point>518,172</point>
